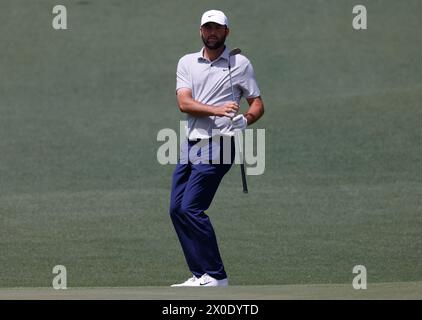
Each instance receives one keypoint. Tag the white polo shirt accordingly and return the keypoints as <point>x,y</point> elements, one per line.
<point>210,84</point>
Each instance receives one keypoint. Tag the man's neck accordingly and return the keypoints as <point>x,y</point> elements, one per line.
<point>211,55</point>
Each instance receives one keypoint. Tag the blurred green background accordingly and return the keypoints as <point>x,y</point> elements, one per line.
<point>80,110</point>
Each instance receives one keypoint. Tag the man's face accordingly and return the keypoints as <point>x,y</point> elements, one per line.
<point>213,35</point>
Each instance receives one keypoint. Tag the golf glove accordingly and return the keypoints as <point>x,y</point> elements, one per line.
<point>239,122</point>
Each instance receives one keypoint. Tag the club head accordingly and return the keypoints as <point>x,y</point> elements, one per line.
<point>235,51</point>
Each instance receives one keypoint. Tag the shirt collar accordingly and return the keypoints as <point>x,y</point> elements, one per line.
<point>224,55</point>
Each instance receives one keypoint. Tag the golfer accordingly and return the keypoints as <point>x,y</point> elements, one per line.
<point>204,93</point>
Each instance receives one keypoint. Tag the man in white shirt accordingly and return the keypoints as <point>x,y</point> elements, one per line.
<point>204,93</point>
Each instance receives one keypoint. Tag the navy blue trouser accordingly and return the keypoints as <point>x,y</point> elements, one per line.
<point>193,188</point>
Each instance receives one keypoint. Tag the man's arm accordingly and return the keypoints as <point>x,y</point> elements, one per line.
<point>188,105</point>
<point>255,111</point>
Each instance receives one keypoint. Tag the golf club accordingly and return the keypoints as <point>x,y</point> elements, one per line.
<point>234,52</point>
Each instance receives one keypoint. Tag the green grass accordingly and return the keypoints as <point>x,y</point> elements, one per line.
<point>80,110</point>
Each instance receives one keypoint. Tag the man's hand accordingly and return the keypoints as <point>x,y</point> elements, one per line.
<point>228,109</point>
<point>239,122</point>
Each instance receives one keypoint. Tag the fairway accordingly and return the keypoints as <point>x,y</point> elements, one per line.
<point>80,184</point>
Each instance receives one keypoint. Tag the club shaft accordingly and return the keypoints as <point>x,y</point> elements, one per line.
<point>242,163</point>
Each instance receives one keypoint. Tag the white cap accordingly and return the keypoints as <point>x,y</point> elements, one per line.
<point>216,16</point>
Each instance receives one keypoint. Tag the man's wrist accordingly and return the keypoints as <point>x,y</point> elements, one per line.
<point>249,118</point>
<point>211,110</point>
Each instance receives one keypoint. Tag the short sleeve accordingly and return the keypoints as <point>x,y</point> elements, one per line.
<point>248,84</point>
<point>182,75</point>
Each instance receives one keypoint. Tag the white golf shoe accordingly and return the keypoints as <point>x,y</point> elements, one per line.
<point>208,281</point>
<point>191,282</point>
<point>204,281</point>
